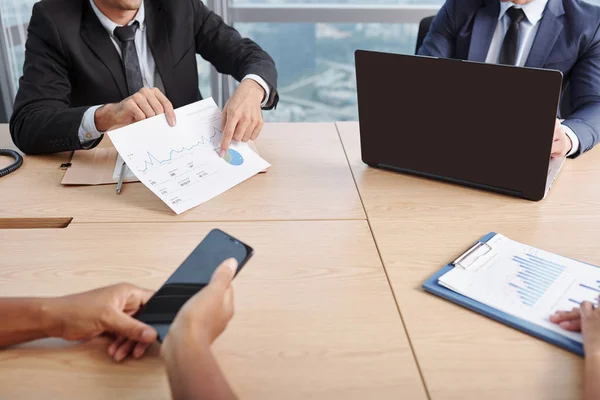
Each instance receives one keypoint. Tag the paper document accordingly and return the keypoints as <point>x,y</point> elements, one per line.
<point>181,164</point>
<point>526,282</point>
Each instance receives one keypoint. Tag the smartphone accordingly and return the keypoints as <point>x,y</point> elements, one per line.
<point>193,275</point>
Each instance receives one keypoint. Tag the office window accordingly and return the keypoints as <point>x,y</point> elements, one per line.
<point>316,64</point>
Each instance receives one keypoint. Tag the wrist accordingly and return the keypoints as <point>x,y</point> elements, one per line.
<point>180,344</point>
<point>48,314</point>
<point>256,90</point>
<point>103,118</point>
<point>592,354</point>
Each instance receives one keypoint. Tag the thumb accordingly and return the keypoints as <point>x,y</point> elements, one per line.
<point>124,325</point>
<point>223,275</point>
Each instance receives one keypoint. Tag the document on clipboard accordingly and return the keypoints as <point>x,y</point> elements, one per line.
<point>519,285</point>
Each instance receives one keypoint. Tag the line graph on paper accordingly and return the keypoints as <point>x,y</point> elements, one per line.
<point>181,163</point>
<point>153,161</point>
<point>190,160</point>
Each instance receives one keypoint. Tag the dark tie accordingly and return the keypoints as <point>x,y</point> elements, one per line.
<point>133,73</point>
<point>508,54</point>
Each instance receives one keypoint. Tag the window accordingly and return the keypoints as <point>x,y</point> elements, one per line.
<point>316,64</point>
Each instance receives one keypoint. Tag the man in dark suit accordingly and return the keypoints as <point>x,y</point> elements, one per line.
<point>92,65</point>
<point>553,34</point>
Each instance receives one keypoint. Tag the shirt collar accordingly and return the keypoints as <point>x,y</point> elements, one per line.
<point>533,10</point>
<point>110,26</point>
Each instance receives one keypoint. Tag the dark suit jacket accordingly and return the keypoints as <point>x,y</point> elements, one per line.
<point>71,64</point>
<point>567,40</point>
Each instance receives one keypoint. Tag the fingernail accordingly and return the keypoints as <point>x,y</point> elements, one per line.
<point>119,357</point>
<point>148,336</point>
<point>173,121</point>
<point>232,264</point>
<point>137,353</point>
<point>222,153</point>
<point>565,324</point>
<point>111,350</point>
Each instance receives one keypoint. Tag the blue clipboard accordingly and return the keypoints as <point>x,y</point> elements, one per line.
<point>432,286</point>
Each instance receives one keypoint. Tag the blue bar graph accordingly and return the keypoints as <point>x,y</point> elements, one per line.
<point>536,275</point>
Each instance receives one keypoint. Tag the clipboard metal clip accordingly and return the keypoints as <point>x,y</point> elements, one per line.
<point>471,256</point>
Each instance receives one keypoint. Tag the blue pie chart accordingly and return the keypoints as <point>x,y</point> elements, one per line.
<point>233,157</point>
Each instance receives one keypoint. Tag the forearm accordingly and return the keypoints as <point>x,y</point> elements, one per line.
<point>591,382</point>
<point>193,371</point>
<point>24,320</point>
<point>42,128</point>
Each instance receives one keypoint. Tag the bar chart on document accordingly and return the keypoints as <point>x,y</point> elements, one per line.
<point>527,282</point>
<point>545,283</point>
<point>181,164</point>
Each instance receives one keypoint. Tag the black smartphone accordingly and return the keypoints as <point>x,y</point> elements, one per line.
<point>193,275</point>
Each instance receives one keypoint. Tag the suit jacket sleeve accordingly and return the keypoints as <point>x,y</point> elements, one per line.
<point>223,46</point>
<point>42,121</point>
<point>584,85</point>
<point>440,41</point>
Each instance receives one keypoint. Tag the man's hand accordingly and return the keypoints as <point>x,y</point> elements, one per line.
<point>87,315</point>
<point>568,320</point>
<point>206,315</point>
<point>144,104</point>
<point>590,328</point>
<point>562,145</point>
<point>192,369</point>
<point>242,115</point>
<point>586,320</point>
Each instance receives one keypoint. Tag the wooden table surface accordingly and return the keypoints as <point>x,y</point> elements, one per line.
<point>309,180</point>
<point>318,315</point>
<point>315,316</point>
<point>387,194</point>
<point>421,225</point>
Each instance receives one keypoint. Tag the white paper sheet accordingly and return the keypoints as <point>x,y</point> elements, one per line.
<point>526,282</point>
<point>181,164</point>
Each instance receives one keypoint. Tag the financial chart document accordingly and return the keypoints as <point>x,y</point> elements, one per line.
<point>181,164</point>
<point>526,282</point>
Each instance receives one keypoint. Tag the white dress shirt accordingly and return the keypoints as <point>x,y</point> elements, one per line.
<point>150,76</point>
<point>529,27</point>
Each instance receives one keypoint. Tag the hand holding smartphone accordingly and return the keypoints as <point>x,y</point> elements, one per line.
<point>193,275</point>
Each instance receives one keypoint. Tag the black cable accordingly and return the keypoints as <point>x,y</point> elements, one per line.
<point>14,166</point>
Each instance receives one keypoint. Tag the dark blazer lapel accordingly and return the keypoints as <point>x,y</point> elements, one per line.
<point>158,39</point>
<point>551,27</point>
<point>96,37</point>
<point>484,27</point>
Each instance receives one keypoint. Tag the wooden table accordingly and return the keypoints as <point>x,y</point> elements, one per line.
<point>388,194</point>
<point>420,225</point>
<point>309,180</point>
<point>315,316</point>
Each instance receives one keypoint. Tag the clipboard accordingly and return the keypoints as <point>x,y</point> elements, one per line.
<point>470,256</point>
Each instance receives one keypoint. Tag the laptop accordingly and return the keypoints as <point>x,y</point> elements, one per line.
<point>480,125</point>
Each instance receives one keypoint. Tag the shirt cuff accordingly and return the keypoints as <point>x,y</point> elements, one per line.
<point>87,130</point>
<point>262,83</point>
<point>574,139</point>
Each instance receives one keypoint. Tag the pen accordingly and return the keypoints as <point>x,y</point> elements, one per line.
<point>121,176</point>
